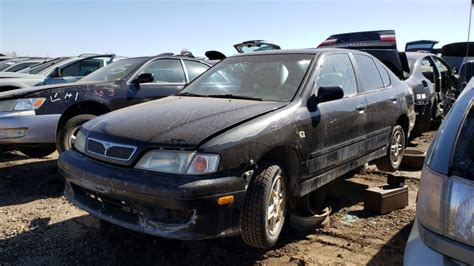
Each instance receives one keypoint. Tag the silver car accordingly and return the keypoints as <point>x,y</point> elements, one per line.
<point>443,231</point>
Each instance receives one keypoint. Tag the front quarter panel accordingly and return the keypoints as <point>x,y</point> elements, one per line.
<point>256,138</point>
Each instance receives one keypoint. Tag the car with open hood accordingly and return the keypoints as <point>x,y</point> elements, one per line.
<point>54,71</point>
<point>41,119</point>
<point>236,148</point>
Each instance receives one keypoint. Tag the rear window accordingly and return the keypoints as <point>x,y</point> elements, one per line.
<point>463,158</point>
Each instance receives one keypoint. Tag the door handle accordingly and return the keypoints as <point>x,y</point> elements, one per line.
<point>393,98</point>
<point>425,84</point>
<point>360,108</point>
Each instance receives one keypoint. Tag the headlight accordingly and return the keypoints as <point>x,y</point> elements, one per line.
<point>21,104</point>
<point>179,162</point>
<point>445,205</point>
<point>80,142</point>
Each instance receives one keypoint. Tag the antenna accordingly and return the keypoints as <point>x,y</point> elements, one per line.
<point>468,36</point>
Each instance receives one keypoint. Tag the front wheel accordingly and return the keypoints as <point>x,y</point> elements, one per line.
<point>264,210</point>
<point>67,134</point>
<point>396,147</point>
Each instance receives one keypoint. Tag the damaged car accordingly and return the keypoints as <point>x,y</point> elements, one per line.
<point>39,120</point>
<point>236,148</point>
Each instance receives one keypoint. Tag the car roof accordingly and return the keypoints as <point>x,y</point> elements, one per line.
<point>313,51</point>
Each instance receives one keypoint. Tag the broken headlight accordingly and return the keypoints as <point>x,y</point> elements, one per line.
<point>21,104</point>
<point>179,162</point>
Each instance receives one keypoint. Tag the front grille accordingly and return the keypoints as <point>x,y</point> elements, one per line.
<point>110,150</point>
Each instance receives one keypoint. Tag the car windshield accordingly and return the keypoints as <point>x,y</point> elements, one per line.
<point>115,71</point>
<point>463,159</point>
<point>40,68</point>
<point>261,77</point>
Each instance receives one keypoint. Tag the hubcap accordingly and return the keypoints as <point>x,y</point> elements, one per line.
<point>396,148</point>
<point>72,137</point>
<point>276,208</point>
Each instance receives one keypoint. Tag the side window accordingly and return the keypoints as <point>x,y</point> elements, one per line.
<point>194,69</point>
<point>166,71</point>
<point>337,70</point>
<point>82,68</point>
<point>427,69</point>
<point>441,66</point>
<point>385,75</point>
<point>369,73</point>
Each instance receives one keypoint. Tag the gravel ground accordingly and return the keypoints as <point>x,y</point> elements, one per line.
<point>39,226</point>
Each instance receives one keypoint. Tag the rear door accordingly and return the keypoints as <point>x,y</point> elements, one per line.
<point>382,100</point>
<point>338,126</point>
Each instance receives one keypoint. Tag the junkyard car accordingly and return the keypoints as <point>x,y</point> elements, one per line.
<point>442,232</point>
<point>233,150</point>
<point>58,70</point>
<point>38,120</point>
<point>434,87</point>
<point>25,64</point>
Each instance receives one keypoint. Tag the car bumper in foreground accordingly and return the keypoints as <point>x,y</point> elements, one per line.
<point>26,127</point>
<point>417,252</point>
<point>163,205</point>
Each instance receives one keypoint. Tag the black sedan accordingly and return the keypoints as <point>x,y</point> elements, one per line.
<point>249,138</point>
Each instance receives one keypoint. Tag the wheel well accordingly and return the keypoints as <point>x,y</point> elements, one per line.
<point>288,158</point>
<point>9,88</point>
<point>93,108</point>
<point>404,123</point>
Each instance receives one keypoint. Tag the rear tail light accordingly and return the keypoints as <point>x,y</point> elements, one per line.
<point>446,205</point>
<point>328,42</point>
<point>387,38</point>
<point>428,206</point>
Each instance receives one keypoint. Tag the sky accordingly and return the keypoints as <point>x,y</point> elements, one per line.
<point>145,27</point>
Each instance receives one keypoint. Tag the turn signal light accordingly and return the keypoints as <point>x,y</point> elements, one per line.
<point>225,200</point>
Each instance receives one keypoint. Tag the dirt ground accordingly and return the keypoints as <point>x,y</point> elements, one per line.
<point>39,226</point>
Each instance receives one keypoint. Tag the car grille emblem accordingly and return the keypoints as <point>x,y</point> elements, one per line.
<point>110,150</point>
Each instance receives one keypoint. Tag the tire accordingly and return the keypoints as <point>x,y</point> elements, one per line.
<point>64,136</point>
<point>256,228</point>
<point>422,124</point>
<point>38,151</point>
<point>395,149</point>
<point>309,223</point>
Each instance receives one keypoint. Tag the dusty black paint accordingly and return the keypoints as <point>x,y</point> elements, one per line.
<point>328,141</point>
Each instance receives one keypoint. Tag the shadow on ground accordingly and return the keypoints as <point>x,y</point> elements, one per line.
<point>26,182</point>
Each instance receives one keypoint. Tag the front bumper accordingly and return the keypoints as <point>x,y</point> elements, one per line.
<point>37,128</point>
<point>158,204</point>
<point>417,252</point>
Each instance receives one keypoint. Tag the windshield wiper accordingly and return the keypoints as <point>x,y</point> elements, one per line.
<point>190,94</point>
<point>232,96</point>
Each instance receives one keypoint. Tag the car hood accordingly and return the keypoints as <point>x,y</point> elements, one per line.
<point>19,93</point>
<point>178,121</point>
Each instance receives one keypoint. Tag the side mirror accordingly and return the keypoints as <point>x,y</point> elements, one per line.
<point>325,94</point>
<point>144,78</point>
<point>56,73</point>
